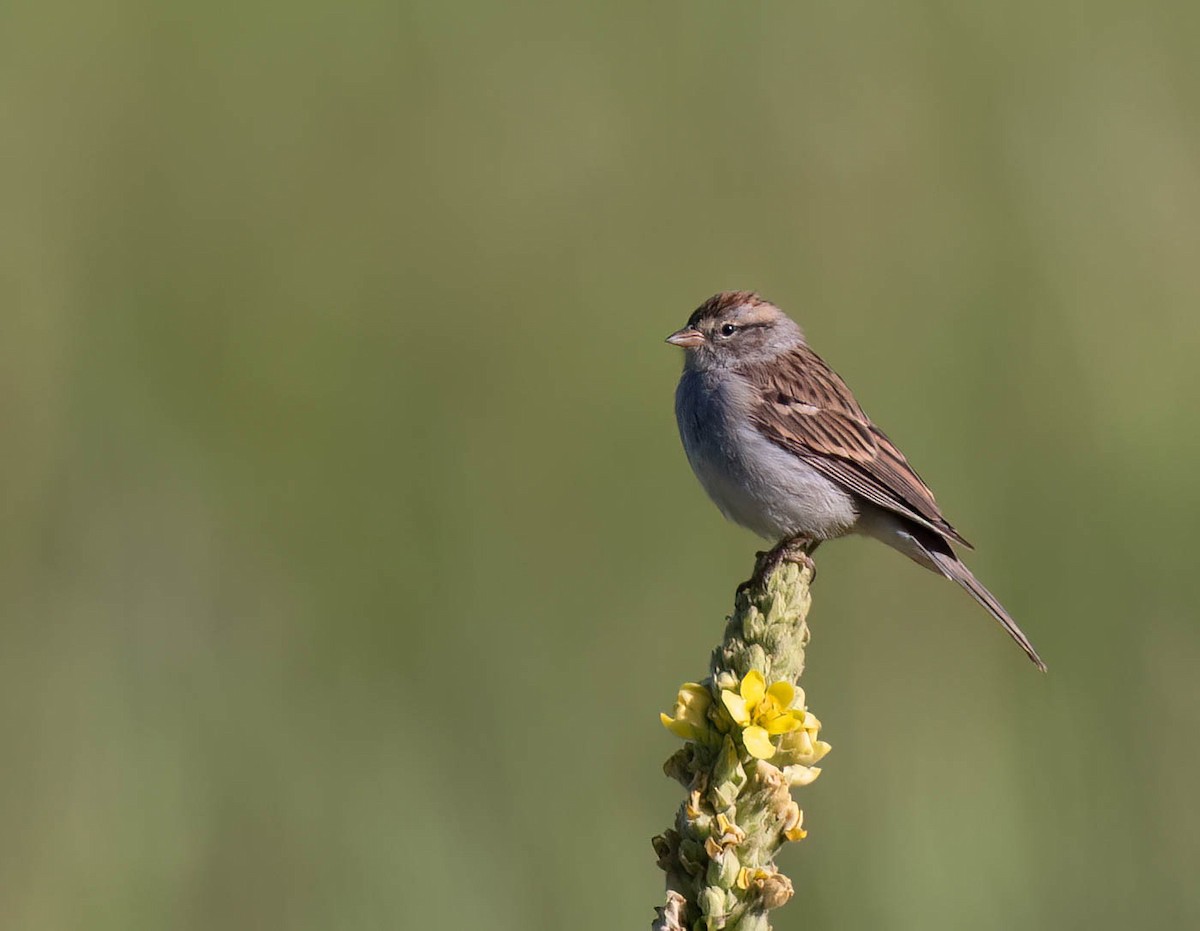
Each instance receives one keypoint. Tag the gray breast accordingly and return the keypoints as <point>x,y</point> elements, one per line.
<point>754,482</point>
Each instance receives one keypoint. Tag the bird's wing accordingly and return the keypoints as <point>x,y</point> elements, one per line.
<point>806,408</point>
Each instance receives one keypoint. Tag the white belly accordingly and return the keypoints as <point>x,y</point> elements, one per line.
<point>754,482</point>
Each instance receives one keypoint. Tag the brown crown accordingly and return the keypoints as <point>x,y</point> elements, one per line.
<point>722,302</point>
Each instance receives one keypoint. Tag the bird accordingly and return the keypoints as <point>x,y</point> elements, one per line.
<point>783,448</point>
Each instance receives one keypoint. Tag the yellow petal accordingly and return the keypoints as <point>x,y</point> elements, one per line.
<point>782,723</point>
<point>783,693</point>
<point>753,687</point>
<point>695,696</point>
<point>801,775</point>
<point>795,831</point>
<point>736,706</point>
<point>758,743</point>
<point>677,727</point>
<point>694,712</point>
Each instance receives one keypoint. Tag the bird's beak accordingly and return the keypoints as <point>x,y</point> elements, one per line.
<point>688,338</point>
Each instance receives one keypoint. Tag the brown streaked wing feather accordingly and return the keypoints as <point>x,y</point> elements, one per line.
<point>806,408</point>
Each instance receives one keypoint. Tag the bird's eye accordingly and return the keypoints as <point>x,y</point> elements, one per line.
<point>728,330</point>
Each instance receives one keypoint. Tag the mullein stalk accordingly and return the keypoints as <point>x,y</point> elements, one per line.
<point>749,741</point>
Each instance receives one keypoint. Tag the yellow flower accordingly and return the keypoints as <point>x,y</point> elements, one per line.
<point>749,876</point>
<point>802,746</point>
<point>774,888</point>
<point>793,823</point>
<point>762,712</point>
<point>690,718</point>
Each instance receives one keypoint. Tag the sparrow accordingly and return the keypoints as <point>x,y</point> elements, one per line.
<point>783,448</point>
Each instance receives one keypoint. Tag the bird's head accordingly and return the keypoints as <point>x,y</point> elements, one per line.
<point>734,328</point>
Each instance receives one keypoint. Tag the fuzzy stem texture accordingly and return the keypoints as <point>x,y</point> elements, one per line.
<point>748,741</point>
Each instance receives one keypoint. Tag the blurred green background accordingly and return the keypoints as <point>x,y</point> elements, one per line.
<point>349,551</point>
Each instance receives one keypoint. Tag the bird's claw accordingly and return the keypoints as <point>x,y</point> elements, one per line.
<point>795,549</point>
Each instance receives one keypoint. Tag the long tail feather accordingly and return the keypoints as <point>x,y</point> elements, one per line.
<point>952,568</point>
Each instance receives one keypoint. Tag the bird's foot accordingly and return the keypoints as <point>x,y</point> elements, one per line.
<point>793,549</point>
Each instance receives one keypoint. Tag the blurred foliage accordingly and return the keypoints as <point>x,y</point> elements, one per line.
<point>341,482</point>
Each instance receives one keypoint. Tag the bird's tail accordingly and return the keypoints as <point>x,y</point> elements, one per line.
<point>929,549</point>
<point>952,568</point>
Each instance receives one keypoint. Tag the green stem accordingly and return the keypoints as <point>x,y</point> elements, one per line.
<point>719,856</point>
